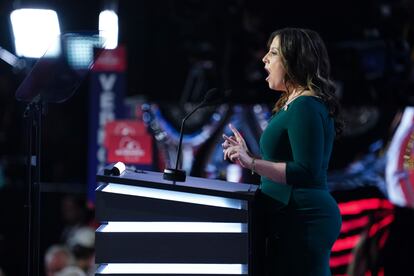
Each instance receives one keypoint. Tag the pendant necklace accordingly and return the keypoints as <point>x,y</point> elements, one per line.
<point>285,106</point>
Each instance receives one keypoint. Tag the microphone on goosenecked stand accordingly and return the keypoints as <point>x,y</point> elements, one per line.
<point>212,97</point>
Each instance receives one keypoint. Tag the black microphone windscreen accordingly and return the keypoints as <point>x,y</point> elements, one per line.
<point>211,95</point>
<point>215,97</point>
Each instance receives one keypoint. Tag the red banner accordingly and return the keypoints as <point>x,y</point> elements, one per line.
<point>111,60</point>
<point>127,141</point>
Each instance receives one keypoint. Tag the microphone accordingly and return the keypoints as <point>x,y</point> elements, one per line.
<point>115,169</point>
<point>211,98</point>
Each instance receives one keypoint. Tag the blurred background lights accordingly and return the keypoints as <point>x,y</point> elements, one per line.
<point>80,49</point>
<point>35,31</point>
<point>108,28</point>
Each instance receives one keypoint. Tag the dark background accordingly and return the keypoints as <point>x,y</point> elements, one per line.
<point>369,43</point>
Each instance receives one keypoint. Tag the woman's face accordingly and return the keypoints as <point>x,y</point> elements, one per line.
<point>274,66</point>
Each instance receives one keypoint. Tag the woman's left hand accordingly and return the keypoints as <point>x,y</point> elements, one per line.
<point>238,152</point>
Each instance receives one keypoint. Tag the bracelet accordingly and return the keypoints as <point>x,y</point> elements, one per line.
<point>253,166</point>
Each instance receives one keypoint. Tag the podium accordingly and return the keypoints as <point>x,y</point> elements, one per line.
<point>151,226</point>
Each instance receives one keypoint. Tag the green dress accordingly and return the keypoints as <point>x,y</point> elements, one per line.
<point>302,219</point>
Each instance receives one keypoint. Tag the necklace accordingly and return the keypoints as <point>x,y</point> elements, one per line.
<point>300,93</point>
<point>285,106</point>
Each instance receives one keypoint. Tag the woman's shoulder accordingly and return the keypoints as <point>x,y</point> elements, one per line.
<point>309,99</point>
<point>308,102</point>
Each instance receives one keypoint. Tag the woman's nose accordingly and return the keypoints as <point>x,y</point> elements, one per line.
<point>264,59</point>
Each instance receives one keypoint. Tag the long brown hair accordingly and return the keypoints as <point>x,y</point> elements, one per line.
<point>306,62</point>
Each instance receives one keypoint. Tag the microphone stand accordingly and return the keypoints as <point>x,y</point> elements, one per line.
<point>177,174</point>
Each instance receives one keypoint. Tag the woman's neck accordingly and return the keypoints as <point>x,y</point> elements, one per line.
<point>296,93</point>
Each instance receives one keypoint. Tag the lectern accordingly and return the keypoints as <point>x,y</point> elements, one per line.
<point>155,227</point>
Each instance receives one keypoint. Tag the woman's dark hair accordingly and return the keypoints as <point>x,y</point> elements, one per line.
<point>306,62</point>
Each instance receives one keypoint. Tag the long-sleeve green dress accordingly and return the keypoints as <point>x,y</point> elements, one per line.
<point>302,217</point>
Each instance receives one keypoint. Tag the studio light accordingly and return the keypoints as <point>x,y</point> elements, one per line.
<point>35,32</point>
<point>9,58</point>
<point>80,49</point>
<point>108,28</point>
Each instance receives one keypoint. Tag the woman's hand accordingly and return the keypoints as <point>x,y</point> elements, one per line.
<point>237,139</point>
<point>235,149</point>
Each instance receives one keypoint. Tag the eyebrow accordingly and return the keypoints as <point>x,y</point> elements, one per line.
<point>274,48</point>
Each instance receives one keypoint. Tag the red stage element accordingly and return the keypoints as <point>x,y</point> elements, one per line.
<point>406,164</point>
<point>127,141</point>
<point>358,206</point>
<point>341,260</point>
<point>113,60</point>
<point>371,216</point>
<point>346,243</point>
<point>350,225</point>
<point>380,225</point>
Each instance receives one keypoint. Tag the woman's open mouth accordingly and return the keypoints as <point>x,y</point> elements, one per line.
<point>268,74</point>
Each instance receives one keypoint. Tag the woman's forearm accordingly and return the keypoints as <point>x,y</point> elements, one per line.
<point>272,170</point>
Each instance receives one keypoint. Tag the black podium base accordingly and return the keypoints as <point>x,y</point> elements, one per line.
<point>174,175</point>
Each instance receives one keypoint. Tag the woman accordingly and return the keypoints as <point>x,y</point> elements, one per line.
<point>302,218</point>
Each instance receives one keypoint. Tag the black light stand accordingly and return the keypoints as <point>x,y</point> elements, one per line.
<point>53,79</point>
<point>33,113</point>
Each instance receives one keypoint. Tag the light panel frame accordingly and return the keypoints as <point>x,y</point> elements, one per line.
<point>193,198</point>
